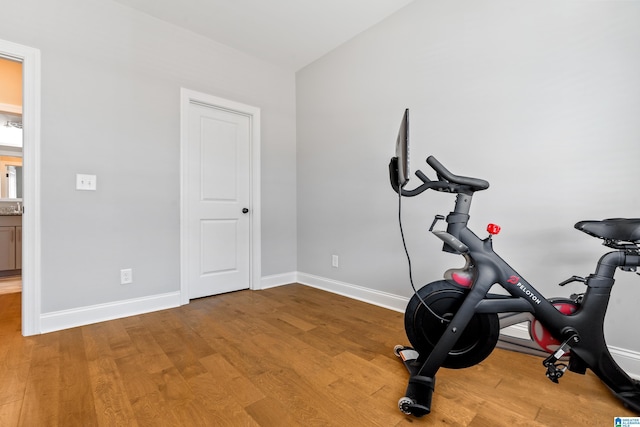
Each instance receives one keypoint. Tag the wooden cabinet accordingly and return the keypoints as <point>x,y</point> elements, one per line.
<point>10,243</point>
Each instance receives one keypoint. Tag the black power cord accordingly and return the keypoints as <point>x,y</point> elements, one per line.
<point>406,251</point>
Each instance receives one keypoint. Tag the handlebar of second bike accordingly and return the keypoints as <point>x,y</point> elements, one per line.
<point>447,181</point>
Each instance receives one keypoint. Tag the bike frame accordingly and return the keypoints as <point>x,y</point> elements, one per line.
<point>587,322</point>
<point>582,331</point>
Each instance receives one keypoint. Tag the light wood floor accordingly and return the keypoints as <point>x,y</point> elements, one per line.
<point>10,285</point>
<point>286,356</point>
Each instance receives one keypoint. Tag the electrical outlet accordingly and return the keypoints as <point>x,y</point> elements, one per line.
<point>334,261</point>
<point>126,276</point>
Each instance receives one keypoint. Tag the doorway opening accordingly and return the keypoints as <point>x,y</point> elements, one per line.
<point>11,143</point>
<point>22,186</point>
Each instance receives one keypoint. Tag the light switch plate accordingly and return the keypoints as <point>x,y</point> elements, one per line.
<point>85,182</point>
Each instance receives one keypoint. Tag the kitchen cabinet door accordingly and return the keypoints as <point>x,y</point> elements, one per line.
<point>7,248</point>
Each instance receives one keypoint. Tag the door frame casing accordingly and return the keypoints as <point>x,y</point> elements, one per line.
<point>31,257</point>
<point>188,96</point>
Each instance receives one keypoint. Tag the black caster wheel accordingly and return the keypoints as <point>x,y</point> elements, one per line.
<point>404,404</point>
<point>397,349</point>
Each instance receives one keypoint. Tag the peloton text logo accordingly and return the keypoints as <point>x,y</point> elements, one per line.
<point>515,280</point>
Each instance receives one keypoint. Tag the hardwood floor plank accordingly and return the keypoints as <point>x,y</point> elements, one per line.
<point>358,402</point>
<point>76,406</point>
<point>41,398</point>
<point>227,377</point>
<point>107,339</point>
<point>325,340</point>
<point>10,413</point>
<point>294,321</point>
<point>270,412</point>
<point>293,391</point>
<point>15,363</point>
<point>491,414</point>
<point>180,354</point>
<point>137,380</point>
<point>368,377</point>
<point>109,394</point>
<point>216,404</point>
<point>295,354</point>
<point>13,381</point>
<point>152,411</point>
<point>245,357</point>
<point>150,357</point>
<point>173,386</point>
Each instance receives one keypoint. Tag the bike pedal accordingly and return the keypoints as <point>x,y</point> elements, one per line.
<point>555,372</point>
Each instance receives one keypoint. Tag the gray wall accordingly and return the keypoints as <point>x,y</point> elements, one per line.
<point>111,80</point>
<point>541,98</point>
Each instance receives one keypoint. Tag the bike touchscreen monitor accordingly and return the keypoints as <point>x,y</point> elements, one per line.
<point>402,150</point>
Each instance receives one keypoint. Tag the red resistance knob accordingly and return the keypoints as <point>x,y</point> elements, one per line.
<point>493,228</point>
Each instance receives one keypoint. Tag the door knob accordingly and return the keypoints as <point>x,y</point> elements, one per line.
<point>245,210</point>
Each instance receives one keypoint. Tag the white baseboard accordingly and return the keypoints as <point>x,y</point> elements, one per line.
<point>519,330</point>
<point>628,360</point>
<point>72,318</point>
<point>64,319</point>
<point>278,280</point>
<point>371,296</point>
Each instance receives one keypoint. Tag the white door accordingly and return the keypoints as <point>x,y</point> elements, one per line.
<point>218,197</point>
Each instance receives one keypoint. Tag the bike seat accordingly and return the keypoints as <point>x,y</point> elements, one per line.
<point>620,229</point>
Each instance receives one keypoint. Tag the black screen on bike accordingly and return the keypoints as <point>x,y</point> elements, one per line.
<point>402,150</point>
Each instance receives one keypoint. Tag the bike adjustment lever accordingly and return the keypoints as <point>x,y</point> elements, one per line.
<point>572,279</point>
<point>435,220</point>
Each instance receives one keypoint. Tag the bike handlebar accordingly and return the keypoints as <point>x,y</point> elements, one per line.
<point>447,181</point>
<point>474,183</point>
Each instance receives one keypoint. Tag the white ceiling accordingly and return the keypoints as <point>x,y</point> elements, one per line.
<point>290,33</point>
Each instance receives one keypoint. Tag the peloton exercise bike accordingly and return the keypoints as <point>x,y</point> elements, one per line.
<point>456,322</point>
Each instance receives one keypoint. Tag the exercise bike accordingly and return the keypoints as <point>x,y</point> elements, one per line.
<point>456,322</point>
